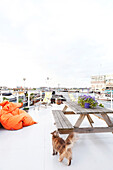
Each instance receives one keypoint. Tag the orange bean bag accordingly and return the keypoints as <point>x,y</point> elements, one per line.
<point>12,118</point>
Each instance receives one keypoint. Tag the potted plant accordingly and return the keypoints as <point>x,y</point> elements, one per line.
<point>59,101</point>
<point>4,98</point>
<point>20,100</point>
<point>26,109</point>
<point>87,101</point>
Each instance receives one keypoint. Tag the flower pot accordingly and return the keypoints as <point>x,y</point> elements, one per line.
<point>87,105</point>
<point>58,101</point>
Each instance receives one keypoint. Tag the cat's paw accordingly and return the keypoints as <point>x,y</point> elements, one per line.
<point>69,162</point>
<point>59,160</point>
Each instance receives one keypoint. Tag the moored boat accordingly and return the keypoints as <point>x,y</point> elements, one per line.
<point>103,97</point>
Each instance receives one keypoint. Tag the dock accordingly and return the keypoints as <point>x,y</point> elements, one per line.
<point>31,147</point>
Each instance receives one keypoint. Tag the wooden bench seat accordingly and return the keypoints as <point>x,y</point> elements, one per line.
<point>62,123</point>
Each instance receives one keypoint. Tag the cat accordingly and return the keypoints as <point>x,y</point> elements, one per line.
<point>63,147</point>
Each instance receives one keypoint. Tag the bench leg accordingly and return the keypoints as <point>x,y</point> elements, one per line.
<point>79,121</point>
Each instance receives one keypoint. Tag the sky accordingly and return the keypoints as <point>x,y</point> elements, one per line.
<point>55,42</point>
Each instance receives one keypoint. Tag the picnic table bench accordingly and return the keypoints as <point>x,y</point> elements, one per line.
<point>64,126</point>
<point>61,121</point>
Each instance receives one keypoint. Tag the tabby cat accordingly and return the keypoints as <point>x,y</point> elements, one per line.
<point>63,147</point>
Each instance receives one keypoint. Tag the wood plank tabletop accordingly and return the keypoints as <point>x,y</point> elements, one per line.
<point>77,109</point>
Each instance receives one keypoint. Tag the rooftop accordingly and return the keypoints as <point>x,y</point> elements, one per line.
<point>31,147</point>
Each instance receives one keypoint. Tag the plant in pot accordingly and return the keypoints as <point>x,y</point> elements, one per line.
<point>58,100</point>
<point>87,101</point>
<point>26,109</point>
<point>20,101</point>
<point>4,98</point>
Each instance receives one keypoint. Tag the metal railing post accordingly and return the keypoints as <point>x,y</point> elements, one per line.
<point>17,97</point>
<point>28,98</point>
<point>1,98</point>
<point>111,98</point>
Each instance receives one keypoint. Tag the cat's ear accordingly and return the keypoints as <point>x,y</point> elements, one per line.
<point>53,132</point>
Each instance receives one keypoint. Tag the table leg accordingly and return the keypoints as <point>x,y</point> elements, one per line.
<point>65,108</point>
<point>107,120</point>
<point>90,120</point>
<point>79,121</point>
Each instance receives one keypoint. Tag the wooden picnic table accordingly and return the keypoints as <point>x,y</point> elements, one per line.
<point>64,126</point>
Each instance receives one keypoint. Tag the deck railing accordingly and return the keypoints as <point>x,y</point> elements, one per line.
<point>16,95</point>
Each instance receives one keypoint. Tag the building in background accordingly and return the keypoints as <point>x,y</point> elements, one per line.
<point>109,82</point>
<point>102,82</point>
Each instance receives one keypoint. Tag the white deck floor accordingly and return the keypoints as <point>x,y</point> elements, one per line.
<point>31,147</point>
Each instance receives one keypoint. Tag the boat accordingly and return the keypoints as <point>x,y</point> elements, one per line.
<point>102,96</point>
<point>8,96</point>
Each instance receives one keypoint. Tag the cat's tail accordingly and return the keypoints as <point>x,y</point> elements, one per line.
<point>71,139</point>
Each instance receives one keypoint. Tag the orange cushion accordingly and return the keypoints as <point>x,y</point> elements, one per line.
<point>12,118</point>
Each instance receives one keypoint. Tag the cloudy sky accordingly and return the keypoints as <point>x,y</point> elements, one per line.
<point>65,40</point>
